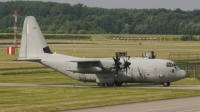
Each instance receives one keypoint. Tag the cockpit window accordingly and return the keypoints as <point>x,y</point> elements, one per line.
<point>171,64</point>
<point>177,68</point>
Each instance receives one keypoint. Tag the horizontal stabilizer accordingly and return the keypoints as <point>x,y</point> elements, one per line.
<point>28,59</point>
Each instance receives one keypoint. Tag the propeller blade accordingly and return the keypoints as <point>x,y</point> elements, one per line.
<point>116,55</point>
<point>126,64</point>
<point>128,57</point>
<point>116,70</point>
<point>114,59</point>
<point>117,62</point>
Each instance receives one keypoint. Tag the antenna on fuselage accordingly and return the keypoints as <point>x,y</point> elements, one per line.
<point>153,55</point>
<point>74,44</point>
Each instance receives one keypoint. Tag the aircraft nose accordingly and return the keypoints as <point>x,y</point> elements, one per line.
<point>181,74</point>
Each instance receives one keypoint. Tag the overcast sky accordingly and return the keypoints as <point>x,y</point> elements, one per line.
<point>138,4</point>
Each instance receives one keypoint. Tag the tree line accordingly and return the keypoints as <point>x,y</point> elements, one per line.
<point>64,18</point>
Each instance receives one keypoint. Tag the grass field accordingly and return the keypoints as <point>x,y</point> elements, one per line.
<point>36,76</point>
<point>108,48</point>
<point>39,99</point>
<point>61,98</point>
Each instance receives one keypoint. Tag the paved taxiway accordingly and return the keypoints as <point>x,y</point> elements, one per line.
<point>190,104</point>
<point>196,87</point>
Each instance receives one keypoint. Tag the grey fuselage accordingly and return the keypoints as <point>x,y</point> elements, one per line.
<point>142,70</point>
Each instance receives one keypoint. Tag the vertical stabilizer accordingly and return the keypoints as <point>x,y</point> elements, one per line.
<point>33,44</point>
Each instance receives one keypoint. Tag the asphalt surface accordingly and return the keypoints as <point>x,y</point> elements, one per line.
<point>190,104</point>
<point>195,87</point>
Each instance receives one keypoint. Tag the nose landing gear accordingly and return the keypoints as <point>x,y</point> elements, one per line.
<point>166,84</point>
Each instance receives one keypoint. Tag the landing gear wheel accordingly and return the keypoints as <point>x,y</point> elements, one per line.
<point>166,84</point>
<point>110,84</point>
<point>101,84</point>
<point>118,84</point>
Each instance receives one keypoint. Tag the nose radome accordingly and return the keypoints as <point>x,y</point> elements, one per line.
<point>181,74</point>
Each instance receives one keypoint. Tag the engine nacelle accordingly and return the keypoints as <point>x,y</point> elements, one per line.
<point>108,65</point>
<point>91,69</point>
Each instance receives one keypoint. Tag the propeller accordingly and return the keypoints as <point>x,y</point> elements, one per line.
<point>126,64</point>
<point>117,63</point>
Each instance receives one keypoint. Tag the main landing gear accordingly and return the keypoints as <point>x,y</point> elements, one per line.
<point>166,84</point>
<point>116,84</point>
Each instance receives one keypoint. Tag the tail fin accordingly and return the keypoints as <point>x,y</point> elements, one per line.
<point>33,45</point>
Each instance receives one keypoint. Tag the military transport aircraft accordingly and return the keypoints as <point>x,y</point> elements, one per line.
<point>103,71</point>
